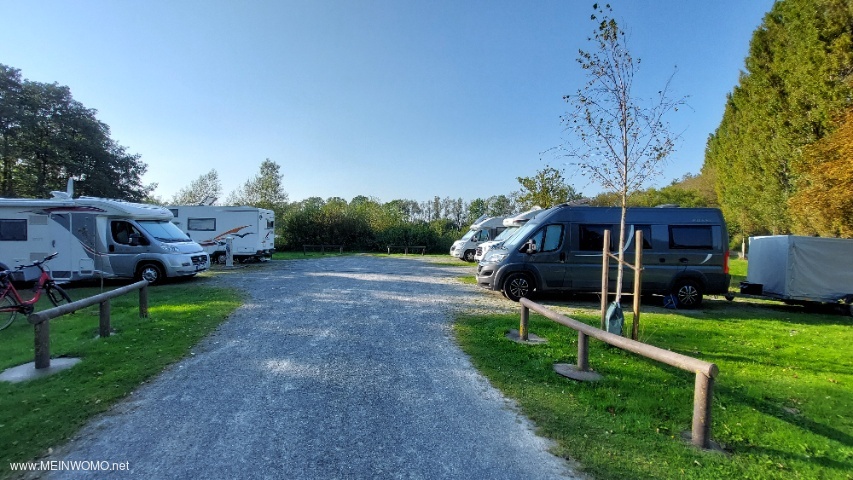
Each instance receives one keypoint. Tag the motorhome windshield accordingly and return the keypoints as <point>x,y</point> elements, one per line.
<point>506,234</point>
<point>163,230</point>
<point>521,234</point>
<point>468,235</point>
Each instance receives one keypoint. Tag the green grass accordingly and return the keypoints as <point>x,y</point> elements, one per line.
<point>782,408</point>
<point>43,413</point>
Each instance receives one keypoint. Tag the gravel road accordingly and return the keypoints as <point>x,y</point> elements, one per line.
<point>335,368</point>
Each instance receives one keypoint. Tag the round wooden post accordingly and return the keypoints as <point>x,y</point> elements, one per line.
<point>605,274</point>
<point>42,340</point>
<point>703,394</point>
<point>104,316</point>
<point>143,302</point>
<point>583,352</point>
<point>522,327</point>
<point>638,269</point>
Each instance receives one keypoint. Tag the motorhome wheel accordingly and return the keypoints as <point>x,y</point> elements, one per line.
<point>516,286</point>
<point>688,294</point>
<point>221,258</point>
<point>469,255</point>
<point>150,272</point>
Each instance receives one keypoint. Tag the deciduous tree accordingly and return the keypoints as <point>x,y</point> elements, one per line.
<point>617,139</point>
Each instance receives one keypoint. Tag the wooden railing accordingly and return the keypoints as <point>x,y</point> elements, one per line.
<point>705,372</point>
<point>41,320</point>
<point>406,248</point>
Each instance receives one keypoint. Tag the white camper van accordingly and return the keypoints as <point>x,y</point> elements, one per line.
<point>97,237</point>
<point>512,225</point>
<point>483,229</point>
<point>252,230</point>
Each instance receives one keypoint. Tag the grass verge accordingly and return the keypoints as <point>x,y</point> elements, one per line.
<point>783,402</point>
<point>43,413</point>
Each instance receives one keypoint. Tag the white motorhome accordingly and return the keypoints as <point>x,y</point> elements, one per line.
<point>512,225</point>
<point>483,229</point>
<point>97,237</point>
<point>251,229</point>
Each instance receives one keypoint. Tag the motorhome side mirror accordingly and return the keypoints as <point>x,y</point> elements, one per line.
<point>530,247</point>
<point>134,239</point>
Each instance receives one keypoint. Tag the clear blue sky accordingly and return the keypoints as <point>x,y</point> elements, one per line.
<point>384,98</point>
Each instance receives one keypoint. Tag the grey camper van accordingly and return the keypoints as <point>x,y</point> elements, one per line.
<point>685,253</point>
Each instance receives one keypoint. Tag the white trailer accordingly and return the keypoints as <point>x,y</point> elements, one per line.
<point>802,270</point>
<point>97,237</point>
<point>252,230</point>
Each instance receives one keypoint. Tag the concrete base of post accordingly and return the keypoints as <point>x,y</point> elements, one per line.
<point>28,371</point>
<point>571,371</point>
<point>532,339</point>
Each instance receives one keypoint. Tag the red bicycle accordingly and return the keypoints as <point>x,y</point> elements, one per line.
<point>11,303</point>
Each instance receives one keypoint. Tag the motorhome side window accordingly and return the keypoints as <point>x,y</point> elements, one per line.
<point>691,237</point>
<point>13,230</point>
<point>174,212</point>
<point>548,239</point>
<point>202,224</point>
<point>122,232</point>
<point>481,236</point>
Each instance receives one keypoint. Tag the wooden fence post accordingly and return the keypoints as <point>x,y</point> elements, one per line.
<point>605,277</point>
<point>522,327</point>
<point>638,269</point>
<point>42,335</point>
<point>104,315</point>
<point>143,302</point>
<point>703,394</point>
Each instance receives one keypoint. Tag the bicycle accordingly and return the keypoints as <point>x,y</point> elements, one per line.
<point>11,303</point>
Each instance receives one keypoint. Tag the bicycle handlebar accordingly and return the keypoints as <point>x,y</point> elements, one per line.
<point>38,262</point>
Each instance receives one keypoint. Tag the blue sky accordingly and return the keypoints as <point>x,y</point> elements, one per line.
<point>384,98</point>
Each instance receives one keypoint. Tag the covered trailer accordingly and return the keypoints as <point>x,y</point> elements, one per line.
<point>800,269</point>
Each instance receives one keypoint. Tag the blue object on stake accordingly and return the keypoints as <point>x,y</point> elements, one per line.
<point>614,318</point>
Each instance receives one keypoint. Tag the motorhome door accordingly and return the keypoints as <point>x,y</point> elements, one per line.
<point>126,242</point>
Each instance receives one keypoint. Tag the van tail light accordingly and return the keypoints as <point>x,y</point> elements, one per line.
<point>726,263</point>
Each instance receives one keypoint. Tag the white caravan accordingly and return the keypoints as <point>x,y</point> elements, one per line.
<point>483,229</point>
<point>512,225</point>
<point>97,237</point>
<point>251,229</point>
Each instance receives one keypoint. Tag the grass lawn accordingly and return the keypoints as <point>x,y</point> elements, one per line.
<point>782,408</point>
<point>43,413</point>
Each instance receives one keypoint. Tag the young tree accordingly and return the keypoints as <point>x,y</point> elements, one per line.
<point>546,189</point>
<point>205,187</point>
<point>263,191</point>
<point>618,140</point>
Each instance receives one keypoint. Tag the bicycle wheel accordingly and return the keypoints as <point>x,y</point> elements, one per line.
<point>7,311</point>
<point>57,295</point>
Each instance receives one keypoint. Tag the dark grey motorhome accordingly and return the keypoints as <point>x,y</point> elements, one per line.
<point>685,253</point>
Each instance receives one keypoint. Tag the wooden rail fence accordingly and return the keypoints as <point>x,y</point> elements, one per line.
<point>41,320</point>
<point>406,248</point>
<point>705,372</point>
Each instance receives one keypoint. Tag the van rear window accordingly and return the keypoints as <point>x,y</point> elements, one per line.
<point>691,237</point>
<point>13,230</point>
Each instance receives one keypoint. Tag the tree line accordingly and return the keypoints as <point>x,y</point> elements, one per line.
<point>366,223</point>
<point>781,157</point>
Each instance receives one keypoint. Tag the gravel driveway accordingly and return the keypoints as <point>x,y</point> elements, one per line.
<point>335,368</point>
